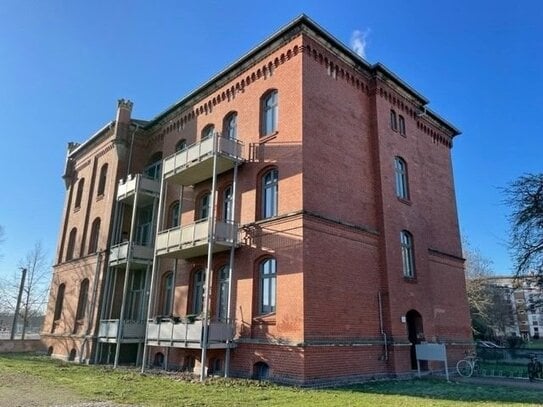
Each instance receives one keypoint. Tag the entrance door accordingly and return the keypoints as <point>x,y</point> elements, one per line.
<point>415,333</point>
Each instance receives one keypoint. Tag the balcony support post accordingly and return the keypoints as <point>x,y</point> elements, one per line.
<point>230,272</point>
<point>208,274</point>
<point>120,327</point>
<point>154,271</point>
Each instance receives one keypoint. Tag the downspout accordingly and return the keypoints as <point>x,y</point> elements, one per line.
<point>91,307</point>
<point>211,239</point>
<point>230,274</point>
<point>120,327</point>
<point>381,326</point>
<point>154,270</point>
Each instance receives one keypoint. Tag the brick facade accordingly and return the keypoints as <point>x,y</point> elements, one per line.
<point>344,310</point>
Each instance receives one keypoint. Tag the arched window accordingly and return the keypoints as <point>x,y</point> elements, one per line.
<point>95,235</point>
<point>222,293</point>
<point>400,175</point>
<point>174,214</point>
<point>408,263</point>
<point>83,300</point>
<point>167,293</point>
<point>269,194</point>
<point>230,126</point>
<point>204,206</point>
<point>393,120</point>
<point>158,360</point>
<point>227,201</point>
<point>50,351</point>
<point>59,302</point>
<point>268,291</point>
<point>71,244</point>
<point>268,113</point>
<point>208,131</point>
<point>153,169</point>
<point>261,371</point>
<point>79,194</point>
<point>102,180</point>
<point>72,355</point>
<point>181,145</point>
<point>198,292</point>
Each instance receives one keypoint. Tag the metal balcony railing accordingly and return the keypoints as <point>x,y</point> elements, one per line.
<point>118,254</point>
<point>195,163</point>
<point>188,334</point>
<point>192,240</point>
<point>133,330</point>
<point>147,187</point>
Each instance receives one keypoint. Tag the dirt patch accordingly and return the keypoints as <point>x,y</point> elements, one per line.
<point>19,390</point>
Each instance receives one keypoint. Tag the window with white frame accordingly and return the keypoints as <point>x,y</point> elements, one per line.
<point>268,284</point>
<point>198,292</point>
<point>269,113</point>
<point>408,263</point>
<point>204,206</point>
<point>230,126</point>
<point>270,182</point>
<point>400,176</point>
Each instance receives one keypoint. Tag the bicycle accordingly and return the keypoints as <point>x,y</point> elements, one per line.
<point>467,366</point>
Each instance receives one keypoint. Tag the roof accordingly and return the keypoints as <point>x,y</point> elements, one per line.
<point>303,22</point>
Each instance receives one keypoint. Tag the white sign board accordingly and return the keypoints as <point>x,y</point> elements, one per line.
<point>432,351</point>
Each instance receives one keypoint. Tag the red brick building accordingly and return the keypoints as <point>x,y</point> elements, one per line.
<point>294,218</point>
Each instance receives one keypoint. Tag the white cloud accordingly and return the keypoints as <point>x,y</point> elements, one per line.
<point>359,41</point>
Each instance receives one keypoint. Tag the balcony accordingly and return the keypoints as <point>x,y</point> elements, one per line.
<point>195,163</point>
<point>140,256</point>
<point>134,331</point>
<point>192,240</point>
<point>185,334</point>
<point>148,189</point>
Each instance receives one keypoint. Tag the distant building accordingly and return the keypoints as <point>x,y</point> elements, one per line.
<point>294,219</point>
<point>527,304</point>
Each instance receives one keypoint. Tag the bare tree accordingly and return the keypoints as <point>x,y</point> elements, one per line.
<point>35,287</point>
<point>525,197</point>
<point>490,308</point>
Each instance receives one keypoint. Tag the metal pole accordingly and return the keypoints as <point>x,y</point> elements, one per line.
<point>211,238</point>
<point>120,327</point>
<point>18,305</point>
<point>161,197</point>
<point>230,272</point>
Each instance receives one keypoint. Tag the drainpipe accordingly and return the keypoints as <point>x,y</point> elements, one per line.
<point>211,239</point>
<point>381,325</point>
<point>230,273</point>
<point>154,271</point>
<point>92,305</point>
<point>120,327</point>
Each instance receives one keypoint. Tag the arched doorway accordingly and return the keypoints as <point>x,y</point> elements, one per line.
<point>415,333</point>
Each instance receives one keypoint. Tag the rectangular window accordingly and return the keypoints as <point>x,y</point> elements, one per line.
<point>401,125</point>
<point>393,120</point>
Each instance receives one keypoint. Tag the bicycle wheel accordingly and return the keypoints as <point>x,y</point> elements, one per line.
<point>464,368</point>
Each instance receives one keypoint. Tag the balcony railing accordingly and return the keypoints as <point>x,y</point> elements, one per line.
<point>118,254</point>
<point>184,334</point>
<point>195,163</point>
<point>134,331</point>
<point>192,240</point>
<point>147,187</point>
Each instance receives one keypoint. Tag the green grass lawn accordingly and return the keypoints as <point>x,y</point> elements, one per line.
<point>129,386</point>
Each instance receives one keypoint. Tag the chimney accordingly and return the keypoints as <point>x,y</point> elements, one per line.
<point>122,125</point>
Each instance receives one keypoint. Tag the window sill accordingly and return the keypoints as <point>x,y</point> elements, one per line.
<point>99,197</point>
<point>410,280</point>
<point>266,319</point>
<point>268,137</point>
<point>77,209</point>
<point>404,201</point>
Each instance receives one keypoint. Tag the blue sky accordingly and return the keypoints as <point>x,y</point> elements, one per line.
<point>63,65</point>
